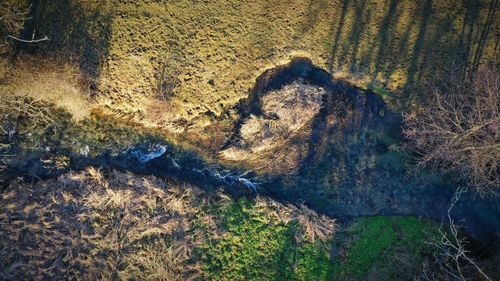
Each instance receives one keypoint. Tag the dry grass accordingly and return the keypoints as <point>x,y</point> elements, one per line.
<point>275,140</point>
<point>218,48</point>
<point>90,226</point>
<point>95,226</point>
<point>311,226</point>
<point>57,83</point>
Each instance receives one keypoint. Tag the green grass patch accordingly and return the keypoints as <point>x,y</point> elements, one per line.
<point>255,247</point>
<point>389,247</point>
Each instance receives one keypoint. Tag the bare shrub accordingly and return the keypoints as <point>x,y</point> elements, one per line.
<point>23,107</point>
<point>459,130</point>
<point>14,109</point>
<point>88,226</point>
<point>452,260</point>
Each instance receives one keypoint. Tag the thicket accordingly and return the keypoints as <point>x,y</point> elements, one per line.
<point>458,130</point>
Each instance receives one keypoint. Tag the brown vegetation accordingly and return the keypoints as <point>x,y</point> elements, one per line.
<point>218,48</point>
<point>275,140</point>
<point>312,227</point>
<point>102,226</point>
<point>35,115</point>
<point>459,130</point>
<point>88,226</point>
<point>49,80</point>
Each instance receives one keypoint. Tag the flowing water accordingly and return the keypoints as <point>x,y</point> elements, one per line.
<point>346,168</point>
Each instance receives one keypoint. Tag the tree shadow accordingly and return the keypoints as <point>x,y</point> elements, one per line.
<point>419,43</point>
<point>383,36</point>
<point>351,48</point>
<point>313,14</point>
<point>336,39</point>
<point>486,29</point>
<point>406,45</point>
<point>349,168</point>
<point>79,33</point>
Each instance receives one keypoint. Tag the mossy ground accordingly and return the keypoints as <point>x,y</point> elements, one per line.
<point>383,248</point>
<point>256,248</point>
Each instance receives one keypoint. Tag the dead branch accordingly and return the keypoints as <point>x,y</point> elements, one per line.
<point>28,41</point>
<point>452,258</point>
<point>459,130</point>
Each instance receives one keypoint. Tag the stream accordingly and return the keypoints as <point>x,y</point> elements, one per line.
<point>348,170</point>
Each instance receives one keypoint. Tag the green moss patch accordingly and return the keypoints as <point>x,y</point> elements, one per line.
<point>391,248</point>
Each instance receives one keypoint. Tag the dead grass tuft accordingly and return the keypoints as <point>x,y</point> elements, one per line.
<point>275,140</point>
<point>57,83</point>
<point>90,226</point>
<point>312,226</point>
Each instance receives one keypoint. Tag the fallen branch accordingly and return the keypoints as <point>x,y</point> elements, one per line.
<point>452,258</point>
<point>29,41</point>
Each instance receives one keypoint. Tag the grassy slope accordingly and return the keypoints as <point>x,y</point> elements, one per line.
<point>217,48</point>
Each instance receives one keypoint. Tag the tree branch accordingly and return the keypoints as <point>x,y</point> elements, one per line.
<point>28,41</point>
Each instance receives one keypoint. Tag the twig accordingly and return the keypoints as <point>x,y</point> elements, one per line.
<point>29,41</point>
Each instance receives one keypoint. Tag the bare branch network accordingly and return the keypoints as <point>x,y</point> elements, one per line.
<point>452,260</point>
<point>459,130</point>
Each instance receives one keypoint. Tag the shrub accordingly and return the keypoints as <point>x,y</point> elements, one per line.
<point>459,130</point>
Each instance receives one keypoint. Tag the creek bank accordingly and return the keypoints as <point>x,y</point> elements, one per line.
<point>349,168</point>
<point>348,171</point>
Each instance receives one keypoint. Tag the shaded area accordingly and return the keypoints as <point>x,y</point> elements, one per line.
<point>350,169</point>
<point>401,44</point>
<point>80,33</point>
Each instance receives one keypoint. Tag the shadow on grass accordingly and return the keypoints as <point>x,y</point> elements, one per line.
<point>413,47</point>
<point>348,168</point>
<point>80,33</point>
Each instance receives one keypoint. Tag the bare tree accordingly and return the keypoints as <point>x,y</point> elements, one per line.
<point>459,130</point>
<point>451,259</point>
